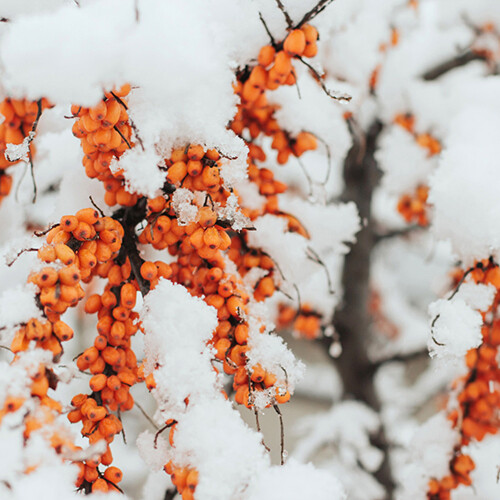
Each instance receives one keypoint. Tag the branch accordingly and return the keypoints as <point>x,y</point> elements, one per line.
<point>319,7</point>
<point>456,62</point>
<point>328,92</point>
<point>288,19</point>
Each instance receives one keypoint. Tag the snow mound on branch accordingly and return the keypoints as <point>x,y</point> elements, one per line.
<point>431,450</point>
<point>464,188</point>
<point>178,327</point>
<point>140,170</point>
<point>210,434</point>
<point>17,305</point>
<point>457,321</point>
<point>296,481</point>
<point>405,164</point>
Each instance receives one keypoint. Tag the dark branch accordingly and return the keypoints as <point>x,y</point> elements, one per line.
<point>288,19</point>
<point>319,7</point>
<point>456,62</point>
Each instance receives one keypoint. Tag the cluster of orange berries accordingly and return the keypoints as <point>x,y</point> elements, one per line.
<point>383,48</point>
<point>306,322</point>
<point>413,207</point>
<point>19,115</point>
<point>105,134</point>
<point>199,247</point>
<point>75,249</point>
<point>185,479</point>
<point>274,69</point>
<point>479,395</point>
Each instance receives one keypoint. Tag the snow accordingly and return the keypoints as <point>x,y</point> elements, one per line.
<point>182,202</point>
<point>431,450</point>
<point>295,481</point>
<point>140,170</point>
<point>469,219</point>
<point>17,305</point>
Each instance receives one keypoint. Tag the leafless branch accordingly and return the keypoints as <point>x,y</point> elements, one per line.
<point>288,19</point>
<point>319,7</point>
<point>326,90</point>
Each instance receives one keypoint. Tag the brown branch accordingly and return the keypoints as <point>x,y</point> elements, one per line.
<point>318,8</point>
<point>288,19</point>
<point>320,80</point>
<point>457,62</point>
<point>282,434</point>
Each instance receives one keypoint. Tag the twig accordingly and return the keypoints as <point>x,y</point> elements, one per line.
<point>319,7</point>
<point>136,132</point>
<point>457,62</point>
<point>273,41</point>
<point>306,173</point>
<point>326,90</point>
<point>95,206</point>
<point>122,136</point>
<point>123,428</point>
<point>148,418</point>
<point>282,434</point>
<point>137,13</point>
<point>257,423</point>
<point>9,264</point>
<point>120,101</point>
<point>288,19</point>
<point>398,232</point>
<point>164,428</point>
<point>299,308</point>
<point>316,258</point>
<point>328,156</point>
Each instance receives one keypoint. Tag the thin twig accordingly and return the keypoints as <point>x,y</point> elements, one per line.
<point>95,206</point>
<point>257,423</point>
<point>269,34</point>
<point>164,428</point>
<point>9,264</point>
<point>137,13</point>
<point>318,8</point>
<point>136,132</point>
<point>288,19</point>
<point>316,258</point>
<point>122,136</point>
<point>326,90</point>
<point>148,418</point>
<point>306,173</point>
<point>282,434</point>
<point>328,156</point>
<point>120,101</point>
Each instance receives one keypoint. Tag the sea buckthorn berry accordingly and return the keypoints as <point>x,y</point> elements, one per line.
<point>113,474</point>
<point>266,55</point>
<point>149,271</point>
<point>295,43</point>
<point>195,152</point>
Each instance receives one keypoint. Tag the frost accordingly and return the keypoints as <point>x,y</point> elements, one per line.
<point>16,152</point>
<point>182,201</point>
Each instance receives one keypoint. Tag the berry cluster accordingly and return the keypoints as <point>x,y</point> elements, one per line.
<point>479,393</point>
<point>413,207</point>
<point>19,116</point>
<point>105,134</point>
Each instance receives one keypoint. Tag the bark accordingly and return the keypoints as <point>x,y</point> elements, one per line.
<point>352,320</point>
